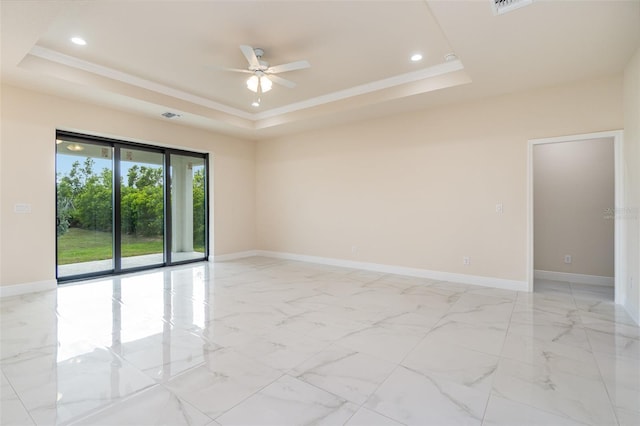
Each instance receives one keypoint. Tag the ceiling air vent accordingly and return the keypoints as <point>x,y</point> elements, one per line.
<point>504,6</point>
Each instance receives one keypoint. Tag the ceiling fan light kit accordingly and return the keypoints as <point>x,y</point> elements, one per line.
<point>252,83</point>
<point>259,83</point>
<point>265,83</point>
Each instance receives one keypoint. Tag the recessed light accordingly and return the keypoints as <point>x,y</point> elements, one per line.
<point>75,147</point>
<point>255,104</point>
<point>416,57</point>
<point>79,41</point>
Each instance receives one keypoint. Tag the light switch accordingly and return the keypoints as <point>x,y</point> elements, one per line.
<point>22,208</point>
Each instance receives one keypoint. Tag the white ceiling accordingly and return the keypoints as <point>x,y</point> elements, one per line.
<point>149,57</point>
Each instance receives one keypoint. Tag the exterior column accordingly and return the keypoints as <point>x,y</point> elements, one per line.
<point>182,204</point>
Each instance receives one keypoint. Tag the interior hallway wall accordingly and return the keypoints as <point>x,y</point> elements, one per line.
<point>574,189</point>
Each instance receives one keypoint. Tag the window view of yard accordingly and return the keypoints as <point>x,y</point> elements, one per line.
<point>85,229</point>
<point>85,213</point>
<point>81,245</point>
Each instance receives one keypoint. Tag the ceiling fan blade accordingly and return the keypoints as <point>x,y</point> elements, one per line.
<point>291,66</point>
<point>249,53</point>
<point>282,81</point>
<point>220,68</point>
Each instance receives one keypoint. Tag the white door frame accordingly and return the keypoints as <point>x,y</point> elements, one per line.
<point>620,245</point>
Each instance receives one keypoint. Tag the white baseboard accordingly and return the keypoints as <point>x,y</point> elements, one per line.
<point>15,290</point>
<point>401,270</point>
<point>18,289</point>
<point>573,278</point>
<point>633,313</point>
<point>232,256</point>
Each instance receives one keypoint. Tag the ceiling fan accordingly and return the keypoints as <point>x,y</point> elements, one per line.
<point>263,74</point>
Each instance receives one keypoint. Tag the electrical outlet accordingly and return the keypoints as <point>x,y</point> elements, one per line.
<point>354,249</point>
<point>567,259</point>
<point>499,208</point>
<point>466,260</point>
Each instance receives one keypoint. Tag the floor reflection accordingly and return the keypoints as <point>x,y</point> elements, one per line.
<point>266,340</point>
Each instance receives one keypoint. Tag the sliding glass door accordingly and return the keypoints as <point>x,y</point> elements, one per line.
<point>188,207</point>
<point>123,207</point>
<point>84,220</point>
<point>141,208</point>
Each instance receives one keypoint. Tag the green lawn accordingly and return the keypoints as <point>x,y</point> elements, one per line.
<point>80,245</point>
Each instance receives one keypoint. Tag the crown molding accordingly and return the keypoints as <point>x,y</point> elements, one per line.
<point>363,89</point>
<point>70,61</point>
<point>387,83</point>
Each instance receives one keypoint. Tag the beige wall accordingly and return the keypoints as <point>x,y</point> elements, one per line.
<point>416,190</point>
<point>27,175</point>
<point>630,212</point>
<point>420,190</point>
<point>573,206</point>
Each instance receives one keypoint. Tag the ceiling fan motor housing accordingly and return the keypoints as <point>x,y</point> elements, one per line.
<point>264,65</point>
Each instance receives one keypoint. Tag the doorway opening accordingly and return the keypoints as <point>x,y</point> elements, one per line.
<point>123,207</point>
<point>563,251</point>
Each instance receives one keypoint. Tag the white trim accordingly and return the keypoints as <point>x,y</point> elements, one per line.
<point>573,278</point>
<point>410,77</point>
<point>530,266</point>
<point>14,290</point>
<point>70,61</point>
<point>401,270</point>
<point>233,256</point>
<point>25,288</point>
<point>619,231</point>
<point>620,250</point>
<point>634,314</point>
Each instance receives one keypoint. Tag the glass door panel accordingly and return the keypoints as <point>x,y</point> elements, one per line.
<point>188,208</point>
<point>84,212</point>
<point>141,208</point>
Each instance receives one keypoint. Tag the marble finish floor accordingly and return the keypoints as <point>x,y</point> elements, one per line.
<point>262,341</point>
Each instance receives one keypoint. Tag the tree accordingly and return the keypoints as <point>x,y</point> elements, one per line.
<point>143,201</point>
<point>85,199</point>
<point>70,188</point>
<point>94,203</point>
<point>64,209</point>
